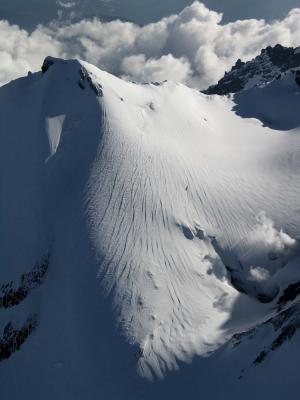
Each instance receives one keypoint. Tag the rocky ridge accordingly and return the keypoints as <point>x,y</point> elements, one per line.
<point>269,65</point>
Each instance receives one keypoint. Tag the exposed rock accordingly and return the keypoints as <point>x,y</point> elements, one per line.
<point>286,334</point>
<point>85,79</point>
<point>287,322</point>
<point>280,329</point>
<point>269,65</point>
<point>10,295</point>
<point>97,88</point>
<point>289,294</point>
<point>13,338</point>
<point>47,64</point>
<point>260,358</point>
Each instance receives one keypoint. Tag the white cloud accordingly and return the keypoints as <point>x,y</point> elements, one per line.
<point>258,274</point>
<point>156,70</point>
<point>192,47</point>
<point>21,51</point>
<point>266,233</point>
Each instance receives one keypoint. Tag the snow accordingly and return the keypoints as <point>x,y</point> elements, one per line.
<point>143,197</point>
<point>54,128</point>
<point>274,113</point>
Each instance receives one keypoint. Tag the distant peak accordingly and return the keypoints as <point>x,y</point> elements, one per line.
<point>269,65</point>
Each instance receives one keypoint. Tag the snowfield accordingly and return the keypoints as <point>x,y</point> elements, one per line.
<point>172,224</point>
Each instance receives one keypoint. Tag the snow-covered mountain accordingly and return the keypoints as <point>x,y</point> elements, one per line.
<point>149,238</point>
<point>269,65</point>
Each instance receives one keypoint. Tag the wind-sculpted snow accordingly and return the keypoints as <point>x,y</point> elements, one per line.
<point>186,166</point>
<point>173,224</point>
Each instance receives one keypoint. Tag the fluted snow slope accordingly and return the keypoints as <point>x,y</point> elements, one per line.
<point>168,222</point>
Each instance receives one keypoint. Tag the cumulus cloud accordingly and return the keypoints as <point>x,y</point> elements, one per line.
<point>21,51</point>
<point>143,70</point>
<point>192,47</point>
<point>266,233</point>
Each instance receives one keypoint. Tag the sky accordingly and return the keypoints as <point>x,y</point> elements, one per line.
<point>29,13</point>
<point>189,42</point>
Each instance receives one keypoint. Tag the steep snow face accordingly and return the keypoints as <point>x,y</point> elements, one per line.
<point>155,199</point>
<point>184,182</point>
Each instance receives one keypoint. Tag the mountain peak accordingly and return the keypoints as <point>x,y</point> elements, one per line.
<point>267,66</point>
<point>77,70</point>
<point>138,216</point>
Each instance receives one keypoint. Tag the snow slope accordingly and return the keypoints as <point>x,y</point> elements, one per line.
<point>156,222</point>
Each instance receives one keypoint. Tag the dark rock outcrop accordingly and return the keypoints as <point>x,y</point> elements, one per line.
<point>289,294</point>
<point>47,64</point>
<point>12,294</point>
<point>13,338</point>
<point>269,65</point>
